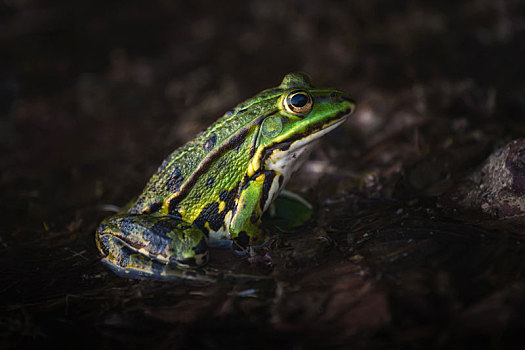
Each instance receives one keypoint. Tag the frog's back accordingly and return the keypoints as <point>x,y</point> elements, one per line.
<point>184,168</point>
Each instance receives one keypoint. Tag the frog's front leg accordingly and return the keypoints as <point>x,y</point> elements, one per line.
<point>145,245</point>
<point>245,225</point>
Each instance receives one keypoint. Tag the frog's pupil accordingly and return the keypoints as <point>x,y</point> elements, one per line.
<point>299,100</point>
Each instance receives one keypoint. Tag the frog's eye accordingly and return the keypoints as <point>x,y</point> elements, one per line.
<point>298,102</point>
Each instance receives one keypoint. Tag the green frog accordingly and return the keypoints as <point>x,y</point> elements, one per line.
<point>213,190</point>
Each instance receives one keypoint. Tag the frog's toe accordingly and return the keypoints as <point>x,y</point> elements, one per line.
<point>195,261</point>
<point>193,256</point>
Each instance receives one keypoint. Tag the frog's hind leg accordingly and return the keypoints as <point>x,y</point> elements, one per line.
<point>124,262</point>
<point>145,246</point>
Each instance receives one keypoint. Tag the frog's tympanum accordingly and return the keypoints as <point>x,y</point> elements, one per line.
<point>214,189</point>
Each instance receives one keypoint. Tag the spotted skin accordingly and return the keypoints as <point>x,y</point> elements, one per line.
<point>216,187</point>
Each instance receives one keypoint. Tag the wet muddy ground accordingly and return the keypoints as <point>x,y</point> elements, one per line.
<point>417,237</point>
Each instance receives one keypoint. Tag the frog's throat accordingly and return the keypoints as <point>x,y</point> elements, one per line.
<point>260,156</point>
<point>263,157</point>
<point>285,159</point>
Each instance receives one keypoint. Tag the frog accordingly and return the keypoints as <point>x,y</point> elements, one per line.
<point>214,190</point>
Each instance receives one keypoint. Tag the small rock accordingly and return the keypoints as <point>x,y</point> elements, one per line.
<point>496,189</point>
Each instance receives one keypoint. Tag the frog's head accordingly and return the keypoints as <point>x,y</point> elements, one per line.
<point>301,114</point>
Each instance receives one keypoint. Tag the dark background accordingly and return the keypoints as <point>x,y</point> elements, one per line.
<point>94,94</point>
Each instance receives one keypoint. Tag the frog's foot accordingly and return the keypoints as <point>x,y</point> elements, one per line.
<point>145,246</point>
<point>289,210</point>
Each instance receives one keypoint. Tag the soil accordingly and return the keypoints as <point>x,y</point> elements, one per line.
<point>94,94</point>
